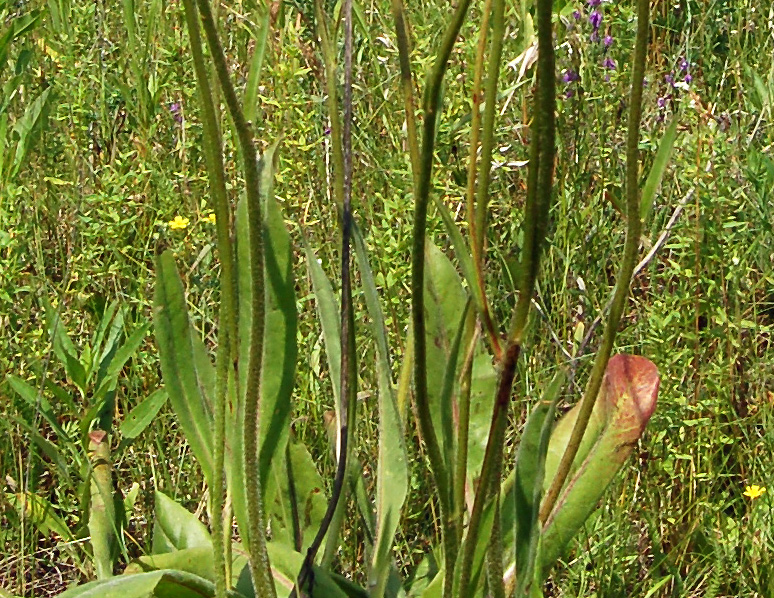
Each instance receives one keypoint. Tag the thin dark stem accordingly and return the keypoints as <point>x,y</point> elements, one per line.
<point>348,376</point>
<point>628,262</point>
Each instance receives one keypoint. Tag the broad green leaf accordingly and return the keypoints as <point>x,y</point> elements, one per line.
<point>445,303</point>
<point>528,487</point>
<point>483,384</point>
<point>198,560</point>
<point>392,464</point>
<point>329,314</point>
<point>280,341</point>
<point>18,27</point>
<point>175,339</point>
<point>175,528</point>
<point>301,503</point>
<point>461,250</point>
<point>285,565</point>
<point>658,169</point>
<point>166,583</point>
<point>138,419</point>
<point>625,403</point>
<point>103,524</point>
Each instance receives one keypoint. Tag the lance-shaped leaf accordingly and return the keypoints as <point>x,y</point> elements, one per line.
<point>175,528</point>
<point>295,497</point>
<point>161,584</point>
<point>280,348</point>
<point>185,367</point>
<point>392,467</point>
<point>624,405</point>
<point>445,305</point>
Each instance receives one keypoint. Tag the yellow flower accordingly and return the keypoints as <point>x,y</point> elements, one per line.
<point>754,491</point>
<point>209,218</point>
<point>179,223</point>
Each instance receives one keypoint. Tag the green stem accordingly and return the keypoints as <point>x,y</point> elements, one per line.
<point>329,60</point>
<point>213,154</point>
<point>541,167</point>
<point>477,225</point>
<point>463,429</point>
<point>628,262</point>
<point>407,85</point>
<point>256,539</point>
<point>487,138</point>
<point>540,181</point>
<point>475,128</point>
<point>431,105</point>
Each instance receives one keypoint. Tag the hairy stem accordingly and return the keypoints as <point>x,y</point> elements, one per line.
<point>227,351</point>
<point>263,583</point>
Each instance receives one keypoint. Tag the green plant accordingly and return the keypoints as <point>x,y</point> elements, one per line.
<point>499,534</point>
<point>85,448</point>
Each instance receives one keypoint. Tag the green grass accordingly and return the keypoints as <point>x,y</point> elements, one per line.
<point>82,220</point>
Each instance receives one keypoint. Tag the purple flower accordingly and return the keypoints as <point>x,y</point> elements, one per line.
<point>595,18</point>
<point>670,79</point>
<point>176,110</point>
<point>688,78</point>
<point>684,64</point>
<point>327,131</point>
<point>608,63</point>
<point>569,93</point>
<point>661,102</point>
<point>569,76</point>
<point>576,14</point>
<point>594,3</point>
<point>594,37</point>
<point>607,40</point>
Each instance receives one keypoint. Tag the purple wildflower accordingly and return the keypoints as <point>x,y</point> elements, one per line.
<point>607,40</point>
<point>569,93</point>
<point>688,78</point>
<point>576,14</point>
<point>569,76</point>
<point>670,79</point>
<point>176,110</point>
<point>595,18</point>
<point>661,102</point>
<point>594,37</point>
<point>327,131</point>
<point>608,63</point>
<point>594,3</point>
<point>684,64</point>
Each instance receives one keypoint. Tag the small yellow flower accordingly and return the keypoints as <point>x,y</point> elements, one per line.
<point>754,491</point>
<point>179,223</point>
<point>209,218</point>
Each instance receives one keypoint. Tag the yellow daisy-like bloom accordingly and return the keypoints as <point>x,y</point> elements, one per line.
<point>754,491</point>
<point>179,223</point>
<point>209,218</point>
